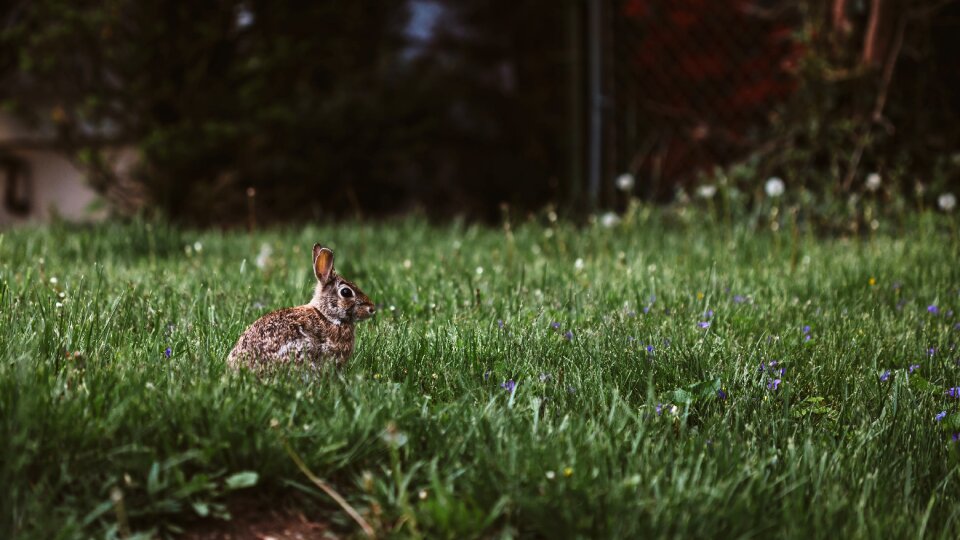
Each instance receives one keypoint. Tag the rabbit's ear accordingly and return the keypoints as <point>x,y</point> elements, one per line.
<point>322,263</point>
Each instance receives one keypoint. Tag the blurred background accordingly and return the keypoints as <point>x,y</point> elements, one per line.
<point>228,112</point>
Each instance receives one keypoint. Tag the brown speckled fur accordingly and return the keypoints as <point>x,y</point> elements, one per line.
<point>320,330</point>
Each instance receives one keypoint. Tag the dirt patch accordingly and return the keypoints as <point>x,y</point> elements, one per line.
<point>253,521</point>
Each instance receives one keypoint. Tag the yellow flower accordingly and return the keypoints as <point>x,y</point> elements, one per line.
<point>699,295</point>
<point>568,472</point>
<point>872,281</point>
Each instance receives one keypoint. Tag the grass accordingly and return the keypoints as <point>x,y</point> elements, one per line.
<point>101,434</point>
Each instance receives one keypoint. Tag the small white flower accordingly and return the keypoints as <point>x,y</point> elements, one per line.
<point>947,202</point>
<point>479,270</point>
<point>53,280</point>
<point>706,191</point>
<point>774,187</point>
<point>407,263</point>
<point>423,494</point>
<point>197,246</point>
<point>609,220</point>
<point>674,410</point>
<point>873,182</point>
<point>551,475</point>
<point>625,182</point>
<point>578,264</point>
<point>59,305</point>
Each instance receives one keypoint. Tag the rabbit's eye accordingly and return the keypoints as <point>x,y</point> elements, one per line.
<point>346,292</point>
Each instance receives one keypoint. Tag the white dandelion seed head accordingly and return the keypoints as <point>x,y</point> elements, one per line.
<point>609,220</point>
<point>706,191</point>
<point>625,182</point>
<point>774,187</point>
<point>947,202</point>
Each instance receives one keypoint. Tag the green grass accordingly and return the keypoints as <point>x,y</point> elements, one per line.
<point>101,434</point>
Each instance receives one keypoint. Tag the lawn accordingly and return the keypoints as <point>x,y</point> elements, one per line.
<point>662,377</point>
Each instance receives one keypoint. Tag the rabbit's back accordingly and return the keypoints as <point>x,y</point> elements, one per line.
<point>299,334</point>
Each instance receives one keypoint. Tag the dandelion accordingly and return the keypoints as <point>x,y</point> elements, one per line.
<point>885,376</point>
<point>947,202</point>
<point>706,191</point>
<point>774,187</point>
<point>774,384</point>
<point>167,352</point>
<point>625,182</point>
<point>873,182</point>
<point>568,471</point>
<point>872,281</point>
<point>263,257</point>
<point>609,220</point>
<point>914,367</point>
<point>509,385</point>
<point>940,416</point>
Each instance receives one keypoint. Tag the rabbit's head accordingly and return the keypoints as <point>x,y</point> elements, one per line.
<point>338,300</point>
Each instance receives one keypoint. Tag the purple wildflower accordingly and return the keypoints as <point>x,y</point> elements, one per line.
<point>773,363</point>
<point>763,367</point>
<point>738,299</point>
<point>708,314</point>
<point>646,309</point>
<point>500,323</point>
<point>659,409</point>
<point>955,437</point>
<point>953,392</point>
<point>704,324</point>
<point>932,351</point>
<point>555,325</point>
<point>932,308</point>
<point>167,352</point>
<point>914,367</point>
<point>509,386</point>
<point>568,335</point>
<point>774,384</point>
<point>806,329</point>
<point>885,376</point>
<point>650,348</point>
<point>486,375</point>
<point>940,416</point>
<point>721,394</point>
<point>807,337</point>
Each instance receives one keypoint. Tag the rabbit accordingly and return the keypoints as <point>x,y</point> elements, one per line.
<point>312,333</point>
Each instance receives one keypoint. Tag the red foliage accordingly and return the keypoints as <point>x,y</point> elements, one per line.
<point>713,66</point>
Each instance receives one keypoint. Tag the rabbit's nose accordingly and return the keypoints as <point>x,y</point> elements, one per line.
<point>371,309</point>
